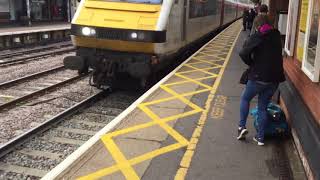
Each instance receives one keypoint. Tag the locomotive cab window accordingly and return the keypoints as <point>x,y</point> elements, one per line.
<point>137,1</point>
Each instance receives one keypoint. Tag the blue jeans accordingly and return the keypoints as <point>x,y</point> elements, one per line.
<point>265,93</point>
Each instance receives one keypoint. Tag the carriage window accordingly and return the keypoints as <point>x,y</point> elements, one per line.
<point>200,8</point>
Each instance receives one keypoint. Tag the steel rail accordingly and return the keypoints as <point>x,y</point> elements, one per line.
<point>36,93</point>
<point>19,140</point>
<point>18,80</point>
<point>39,55</point>
<point>33,50</point>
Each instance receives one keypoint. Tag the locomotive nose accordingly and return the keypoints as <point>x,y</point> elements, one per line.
<point>74,62</point>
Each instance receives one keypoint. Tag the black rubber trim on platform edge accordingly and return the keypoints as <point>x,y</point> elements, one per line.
<point>121,34</point>
<point>303,122</point>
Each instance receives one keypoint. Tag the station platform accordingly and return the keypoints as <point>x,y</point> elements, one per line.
<point>14,37</point>
<point>185,127</point>
<point>9,31</point>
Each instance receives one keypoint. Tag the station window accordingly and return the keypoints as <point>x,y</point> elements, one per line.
<point>311,59</point>
<point>292,23</point>
<point>46,10</point>
<point>39,10</point>
<point>4,11</point>
<point>12,10</point>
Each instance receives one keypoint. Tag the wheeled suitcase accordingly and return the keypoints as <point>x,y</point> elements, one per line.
<point>276,125</point>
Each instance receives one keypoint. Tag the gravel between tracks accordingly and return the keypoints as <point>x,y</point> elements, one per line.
<point>18,120</point>
<point>8,73</point>
<point>101,112</point>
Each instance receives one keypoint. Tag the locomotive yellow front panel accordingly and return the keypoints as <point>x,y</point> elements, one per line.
<point>118,26</point>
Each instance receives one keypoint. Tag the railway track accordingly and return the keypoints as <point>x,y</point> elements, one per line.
<point>21,56</point>
<point>19,90</point>
<point>36,152</point>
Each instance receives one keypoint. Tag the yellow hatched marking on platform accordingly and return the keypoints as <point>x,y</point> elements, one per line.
<point>192,80</point>
<point>183,82</point>
<point>120,159</point>
<point>126,165</point>
<point>178,137</point>
<point>202,70</point>
<point>212,55</point>
<point>187,158</point>
<point>205,61</point>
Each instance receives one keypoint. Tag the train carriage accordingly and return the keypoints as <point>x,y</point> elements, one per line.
<point>140,37</point>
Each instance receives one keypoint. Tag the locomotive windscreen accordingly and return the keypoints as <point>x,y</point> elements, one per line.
<point>137,1</point>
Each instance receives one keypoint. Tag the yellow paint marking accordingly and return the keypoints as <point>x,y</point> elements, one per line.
<point>159,101</point>
<point>212,55</point>
<point>187,158</point>
<point>194,70</point>
<point>106,171</point>
<point>208,61</point>
<point>122,162</point>
<point>7,96</point>
<point>184,82</point>
<point>201,62</point>
<point>202,70</point>
<point>178,137</point>
<point>157,152</point>
<point>197,70</point>
<point>125,166</point>
<point>130,129</point>
<point>189,103</point>
<point>197,82</point>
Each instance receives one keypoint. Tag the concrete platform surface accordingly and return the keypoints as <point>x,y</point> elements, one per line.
<point>185,128</point>
<point>34,29</point>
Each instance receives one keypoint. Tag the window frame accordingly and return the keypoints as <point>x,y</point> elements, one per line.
<point>291,28</point>
<point>314,73</point>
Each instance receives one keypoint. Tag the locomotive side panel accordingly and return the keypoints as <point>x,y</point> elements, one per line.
<point>202,18</point>
<point>174,29</point>
<point>230,11</point>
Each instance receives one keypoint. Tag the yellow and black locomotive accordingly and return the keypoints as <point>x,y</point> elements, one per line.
<point>138,37</point>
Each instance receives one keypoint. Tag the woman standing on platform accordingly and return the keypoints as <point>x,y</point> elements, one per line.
<point>262,52</point>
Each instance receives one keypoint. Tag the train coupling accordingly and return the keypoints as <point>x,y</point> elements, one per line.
<point>74,62</point>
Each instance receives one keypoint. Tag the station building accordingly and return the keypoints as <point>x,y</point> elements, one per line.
<point>300,95</point>
<point>28,12</point>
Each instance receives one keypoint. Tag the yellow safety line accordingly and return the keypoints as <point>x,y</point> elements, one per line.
<point>187,158</point>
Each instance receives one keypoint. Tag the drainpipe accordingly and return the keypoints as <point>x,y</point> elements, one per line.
<point>69,10</point>
<point>28,12</point>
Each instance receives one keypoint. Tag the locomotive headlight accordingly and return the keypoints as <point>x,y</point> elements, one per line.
<point>141,36</point>
<point>134,35</point>
<point>88,31</point>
